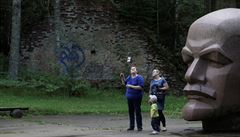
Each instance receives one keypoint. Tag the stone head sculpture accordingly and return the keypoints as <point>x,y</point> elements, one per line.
<point>212,52</point>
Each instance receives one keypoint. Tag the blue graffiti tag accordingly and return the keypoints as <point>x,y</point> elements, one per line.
<point>72,57</point>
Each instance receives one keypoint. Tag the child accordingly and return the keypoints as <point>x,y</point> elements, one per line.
<point>154,114</point>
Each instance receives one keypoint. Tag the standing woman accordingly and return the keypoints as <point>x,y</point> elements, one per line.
<point>158,87</point>
<point>134,93</point>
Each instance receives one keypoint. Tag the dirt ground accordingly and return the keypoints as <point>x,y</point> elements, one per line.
<point>96,126</point>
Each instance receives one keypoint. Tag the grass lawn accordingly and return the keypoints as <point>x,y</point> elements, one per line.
<point>92,102</point>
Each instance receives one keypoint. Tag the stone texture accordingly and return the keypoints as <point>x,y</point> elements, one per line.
<point>105,39</point>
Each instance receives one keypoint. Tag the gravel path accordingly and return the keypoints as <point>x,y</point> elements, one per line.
<point>96,126</point>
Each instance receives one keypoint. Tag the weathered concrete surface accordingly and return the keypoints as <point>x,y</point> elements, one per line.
<point>95,126</point>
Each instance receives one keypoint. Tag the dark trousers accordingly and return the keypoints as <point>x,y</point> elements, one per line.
<point>162,118</point>
<point>134,108</point>
<point>155,124</point>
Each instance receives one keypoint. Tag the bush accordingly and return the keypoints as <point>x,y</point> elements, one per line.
<point>46,84</point>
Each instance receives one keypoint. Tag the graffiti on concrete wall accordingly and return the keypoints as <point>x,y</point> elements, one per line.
<point>71,57</point>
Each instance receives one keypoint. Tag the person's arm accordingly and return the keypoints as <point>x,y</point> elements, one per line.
<point>150,89</point>
<point>165,86</point>
<point>134,87</point>
<point>152,111</point>
<point>139,86</point>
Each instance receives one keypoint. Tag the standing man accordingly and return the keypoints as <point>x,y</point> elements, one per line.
<point>134,93</point>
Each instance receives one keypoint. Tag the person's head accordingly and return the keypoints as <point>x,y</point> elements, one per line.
<point>152,99</point>
<point>212,52</point>
<point>155,73</point>
<point>133,70</point>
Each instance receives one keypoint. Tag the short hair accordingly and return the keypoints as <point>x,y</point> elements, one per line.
<point>134,65</point>
<point>157,70</point>
<point>153,98</point>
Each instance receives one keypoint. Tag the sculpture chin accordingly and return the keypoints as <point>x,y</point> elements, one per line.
<point>195,110</point>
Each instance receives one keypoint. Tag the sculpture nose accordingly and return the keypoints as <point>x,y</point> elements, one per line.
<point>196,72</point>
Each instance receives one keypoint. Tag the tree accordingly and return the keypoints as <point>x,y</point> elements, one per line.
<point>15,39</point>
<point>210,5</point>
<point>238,3</point>
<point>57,20</point>
<point>5,26</point>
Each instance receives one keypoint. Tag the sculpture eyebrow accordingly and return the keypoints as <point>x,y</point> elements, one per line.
<point>213,48</point>
<point>187,51</point>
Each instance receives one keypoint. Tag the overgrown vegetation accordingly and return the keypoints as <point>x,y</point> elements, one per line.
<point>50,95</point>
<point>165,23</point>
<point>34,11</point>
<point>94,101</point>
<point>46,84</point>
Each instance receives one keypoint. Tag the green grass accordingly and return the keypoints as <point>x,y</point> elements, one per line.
<point>92,102</point>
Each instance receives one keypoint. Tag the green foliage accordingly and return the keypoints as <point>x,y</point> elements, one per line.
<point>166,24</point>
<point>35,11</point>
<point>75,87</point>
<point>42,82</point>
<point>189,11</point>
<point>94,101</point>
<point>174,105</point>
<point>46,84</point>
<point>7,83</point>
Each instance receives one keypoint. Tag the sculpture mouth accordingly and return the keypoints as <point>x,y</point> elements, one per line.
<point>194,97</point>
<point>199,92</point>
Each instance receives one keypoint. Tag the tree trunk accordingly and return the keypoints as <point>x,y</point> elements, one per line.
<point>158,33</point>
<point>210,5</point>
<point>15,39</point>
<point>176,23</point>
<point>213,5</point>
<point>207,6</point>
<point>237,3</point>
<point>57,21</point>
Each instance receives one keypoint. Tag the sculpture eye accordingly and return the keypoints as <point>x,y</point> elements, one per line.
<point>216,59</point>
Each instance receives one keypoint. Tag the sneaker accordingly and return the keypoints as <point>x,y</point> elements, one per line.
<point>130,129</point>
<point>154,132</point>
<point>140,129</point>
<point>164,129</point>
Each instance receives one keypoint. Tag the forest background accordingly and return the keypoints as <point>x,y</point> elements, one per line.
<point>164,22</point>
